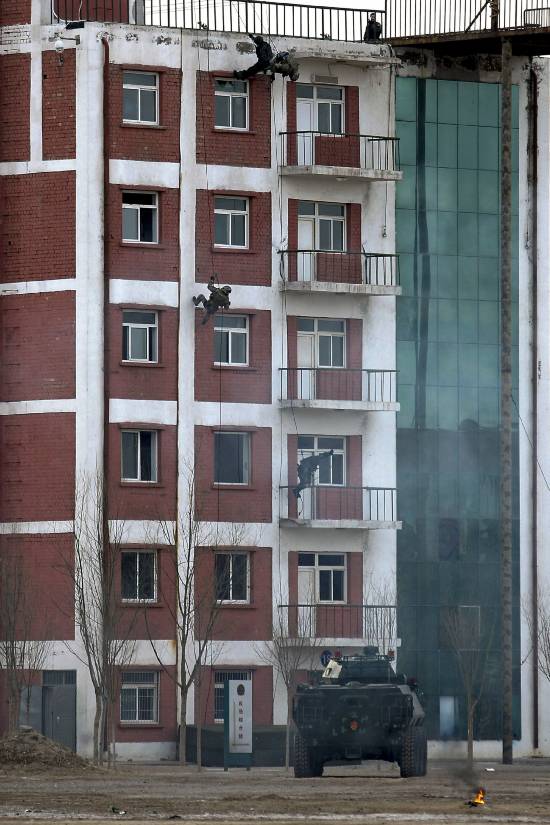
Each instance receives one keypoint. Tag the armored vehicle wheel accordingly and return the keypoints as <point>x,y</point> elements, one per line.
<point>414,752</point>
<point>305,764</point>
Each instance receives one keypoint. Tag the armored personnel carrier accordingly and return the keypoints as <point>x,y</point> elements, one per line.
<point>361,709</point>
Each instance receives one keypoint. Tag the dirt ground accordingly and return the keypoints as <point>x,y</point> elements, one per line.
<point>370,793</point>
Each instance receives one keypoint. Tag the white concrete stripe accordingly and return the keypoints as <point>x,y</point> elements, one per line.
<point>48,405</point>
<point>136,532</point>
<point>30,167</point>
<point>36,89</point>
<point>36,287</point>
<point>141,411</point>
<point>153,293</point>
<point>31,528</point>
<point>144,173</point>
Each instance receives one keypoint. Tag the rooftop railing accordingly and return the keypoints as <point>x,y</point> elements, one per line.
<point>335,503</point>
<point>364,268</point>
<point>374,624</point>
<point>376,153</point>
<point>338,384</point>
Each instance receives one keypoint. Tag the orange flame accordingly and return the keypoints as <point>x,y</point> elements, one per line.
<point>479,798</point>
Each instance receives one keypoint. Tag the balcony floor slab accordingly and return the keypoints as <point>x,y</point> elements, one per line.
<point>343,172</point>
<point>339,524</point>
<point>339,288</point>
<point>354,406</point>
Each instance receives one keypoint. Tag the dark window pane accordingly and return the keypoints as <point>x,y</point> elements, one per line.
<point>325,589</point>
<point>334,209</point>
<point>130,104</point>
<point>338,235</point>
<point>152,343</point>
<point>306,325</point>
<point>231,322</point>
<point>129,454</point>
<point>325,234</point>
<point>329,325</point>
<point>125,353</point>
<point>240,577</point>
<point>146,589</point>
<point>306,208</point>
<point>130,316</point>
<point>230,85</point>
<point>139,198</point>
<point>138,343</point>
<point>238,230</point>
<point>146,704</point>
<point>129,575</point>
<point>128,705</point>
<point>238,348</point>
<point>306,442</point>
<point>238,110</point>
<point>221,229</point>
<point>306,559</point>
<point>222,569</point>
<point>221,347</point>
<point>130,225</point>
<point>304,90</point>
<point>140,78</point>
<point>325,351</point>
<point>337,351</point>
<point>146,455</point>
<point>323,117</point>
<point>329,93</point>
<point>148,111</point>
<point>222,110</point>
<point>235,204</point>
<point>337,469</point>
<point>329,443</point>
<point>338,585</point>
<point>331,559</point>
<point>336,121</point>
<point>231,458</point>
<point>147,229</point>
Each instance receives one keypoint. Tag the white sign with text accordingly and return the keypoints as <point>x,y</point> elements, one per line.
<point>240,716</point>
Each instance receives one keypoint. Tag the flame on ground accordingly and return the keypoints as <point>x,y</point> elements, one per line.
<point>479,798</point>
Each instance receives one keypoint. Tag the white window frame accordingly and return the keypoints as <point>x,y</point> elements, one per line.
<point>231,95</point>
<point>247,466</point>
<point>141,88</point>
<point>219,683</point>
<point>137,207</point>
<point>231,554</point>
<point>306,452</point>
<point>317,100</point>
<point>230,332</point>
<point>154,456</point>
<point>230,213</point>
<point>318,567</point>
<point>129,325</point>
<point>140,553</point>
<point>317,218</point>
<point>136,686</point>
<point>318,334</point>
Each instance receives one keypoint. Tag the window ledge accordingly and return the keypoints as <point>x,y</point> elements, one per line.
<point>223,250</point>
<point>237,606</point>
<point>156,126</point>
<point>232,368</point>
<point>146,364</point>
<point>142,484</point>
<point>226,130</point>
<point>140,605</point>
<point>245,488</point>
<point>155,725</point>
<point>138,245</point>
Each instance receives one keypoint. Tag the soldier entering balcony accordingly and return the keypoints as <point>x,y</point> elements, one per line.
<point>264,53</point>
<point>219,299</point>
<point>373,29</point>
<point>307,469</point>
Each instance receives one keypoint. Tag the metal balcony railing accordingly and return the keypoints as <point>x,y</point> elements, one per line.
<point>366,268</point>
<point>338,384</point>
<point>334,503</point>
<point>372,152</point>
<point>373,624</point>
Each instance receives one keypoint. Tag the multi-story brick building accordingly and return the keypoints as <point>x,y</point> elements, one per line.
<point>133,168</point>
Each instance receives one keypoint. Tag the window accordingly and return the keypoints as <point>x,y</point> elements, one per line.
<point>328,224</point>
<point>139,455</point>
<point>330,574</point>
<point>140,217</point>
<point>231,104</point>
<point>220,678</point>
<point>330,337</point>
<point>140,97</point>
<point>231,458</point>
<point>231,222</point>
<point>139,336</point>
<point>232,574</point>
<point>231,340</point>
<point>139,696</point>
<point>332,471</point>
<point>138,576</point>
<point>328,106</point>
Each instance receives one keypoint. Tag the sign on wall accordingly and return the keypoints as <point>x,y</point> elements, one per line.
<point>238,723</point>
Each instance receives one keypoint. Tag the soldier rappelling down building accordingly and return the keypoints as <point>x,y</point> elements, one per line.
<point>307,468</point>
<point>219,299</point>
<point>281,63</point>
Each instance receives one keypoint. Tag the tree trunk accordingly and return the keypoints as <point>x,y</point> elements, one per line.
<point>287,732</point>
<point>183,727</point>
<point>470,757</point>
<point>199,722</point>
<point>14,702</point>
<point>97,723</point>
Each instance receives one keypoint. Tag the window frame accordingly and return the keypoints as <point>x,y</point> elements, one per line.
<point>139,88</point>
<point>154,456</point>
<point>318,334</point>
<point>231,554</point>
<point>134,325</point>
<point>219,687</point>
<point>306,452</point>
<point>341,104</point>
<point>231,95</point>
<point>248,466</point>
<point>135,686</point>
<point>230,332</point>
<point>138,553</point>
<point>316,217</point>
<point>318,568</point>
<point>230,213</point>
<point>154,209</point>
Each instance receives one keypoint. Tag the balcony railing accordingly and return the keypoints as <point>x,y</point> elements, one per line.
<point>338,384</point>
<point>332,503</point>
<point>373,624</point>
<point>372,152</point>
<point>366,268</point>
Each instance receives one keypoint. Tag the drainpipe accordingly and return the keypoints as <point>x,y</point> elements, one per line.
<point>106,369</point>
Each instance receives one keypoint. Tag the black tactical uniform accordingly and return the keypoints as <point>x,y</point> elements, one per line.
<point>219,299</point>
<point>307,468</point>
<point>264,53</point>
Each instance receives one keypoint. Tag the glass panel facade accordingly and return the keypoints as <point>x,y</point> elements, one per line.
<point>448,360</point>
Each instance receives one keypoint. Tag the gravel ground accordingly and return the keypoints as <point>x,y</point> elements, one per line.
<point>370,793</point>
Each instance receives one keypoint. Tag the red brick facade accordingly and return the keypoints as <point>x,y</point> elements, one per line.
<point>251,384</point>
<point>37,238</point>
<point>231,502</point>
<point>59,105</point>
<point>328,151</point>
<point>37,346</point>
<point>262,693</point>
<point>250,266</point>
<point>157,620</point>
<point>228,146</point>
<point>37,467</point>
<point>15,96</point>
<point>108,11</point>
<point>140,141</point>
<point>166,729</point>
<point>15,12</point>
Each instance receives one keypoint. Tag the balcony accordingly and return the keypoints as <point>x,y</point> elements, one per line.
<point>371,624</point>
<point>363,273</point>
<point>339,389</point>
<point>359,508</point>
<point>344,157</point>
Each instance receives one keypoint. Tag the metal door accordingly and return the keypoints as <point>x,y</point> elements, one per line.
<point>59,714</point>
<point>306,601</point>
<point>305,385</point>
<point>305,262</point>
<point>305,120</point>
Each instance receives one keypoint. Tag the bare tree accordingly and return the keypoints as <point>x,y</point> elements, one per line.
<point>104,625</point>
<point>21,655</point>
<point>538,624</point>
<point>380,615</point>
<point>195,608</point>
<point>464,637</point>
